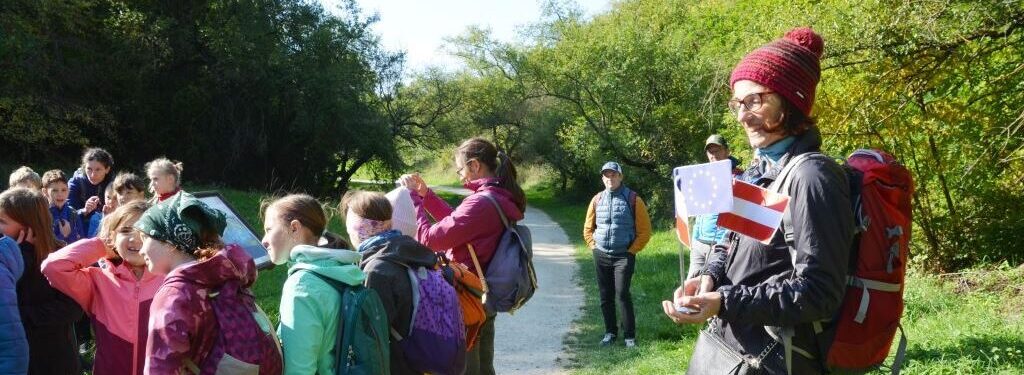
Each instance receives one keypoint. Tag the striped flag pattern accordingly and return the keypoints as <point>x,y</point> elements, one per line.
<point>756,211</point>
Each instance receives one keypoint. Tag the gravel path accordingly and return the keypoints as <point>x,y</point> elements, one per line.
<point>530,342</point>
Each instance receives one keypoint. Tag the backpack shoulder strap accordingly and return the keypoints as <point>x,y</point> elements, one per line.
<point>479,271</point>
<point>414,282</point>
<point>501,212</point>
<point>272,331</point>
<point>784,181</point>
<point>784,335</point>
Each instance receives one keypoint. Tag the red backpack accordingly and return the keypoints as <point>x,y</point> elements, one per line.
<point>872,306</point>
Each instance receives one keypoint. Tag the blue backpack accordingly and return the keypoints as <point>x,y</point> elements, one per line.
<point>510,279</point>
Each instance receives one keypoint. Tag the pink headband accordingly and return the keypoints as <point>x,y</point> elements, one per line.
<point>363,227</point>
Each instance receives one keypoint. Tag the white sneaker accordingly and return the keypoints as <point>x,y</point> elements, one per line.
<point>630,343</point>
<point>607,340</point>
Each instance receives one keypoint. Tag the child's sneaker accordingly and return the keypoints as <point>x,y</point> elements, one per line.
<point>630,343</point>
<point>608,339</point>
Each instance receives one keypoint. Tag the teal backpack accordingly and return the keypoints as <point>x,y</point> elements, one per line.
<point>362,346</point>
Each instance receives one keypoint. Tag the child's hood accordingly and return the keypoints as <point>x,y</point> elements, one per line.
<point>338,264</point>
<point>231,263</point>
<point>10,257</point>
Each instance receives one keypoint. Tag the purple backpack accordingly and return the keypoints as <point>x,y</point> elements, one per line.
<point>436,341</point>
<point>246,342</point>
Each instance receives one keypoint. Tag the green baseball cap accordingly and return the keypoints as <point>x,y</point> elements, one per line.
<point>715,139</point>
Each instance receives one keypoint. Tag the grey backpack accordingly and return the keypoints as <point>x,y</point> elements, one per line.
<point>509,280</point>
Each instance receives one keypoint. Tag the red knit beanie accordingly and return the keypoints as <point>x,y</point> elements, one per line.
<point>789,66</point>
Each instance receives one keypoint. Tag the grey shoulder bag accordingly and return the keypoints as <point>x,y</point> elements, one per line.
<point>713,356</point>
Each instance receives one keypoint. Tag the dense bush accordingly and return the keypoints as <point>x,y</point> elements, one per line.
<point>265,93</point>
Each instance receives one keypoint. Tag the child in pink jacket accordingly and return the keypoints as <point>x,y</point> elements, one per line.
<point>116,292</point>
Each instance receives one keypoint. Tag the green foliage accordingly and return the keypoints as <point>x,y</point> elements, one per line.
<point>281,90</point>
<point>968,323</point>
<point>937,83</point>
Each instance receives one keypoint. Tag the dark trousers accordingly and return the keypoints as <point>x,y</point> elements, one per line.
<point>614,274</point>
<point>480,360</point>
<point>83,329</point>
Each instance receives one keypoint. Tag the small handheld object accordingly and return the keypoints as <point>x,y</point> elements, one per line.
<point>686,310</point>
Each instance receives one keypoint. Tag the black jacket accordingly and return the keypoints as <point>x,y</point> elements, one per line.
<point>48,316</point>
<point>390,280</point>
<point>760,285</point>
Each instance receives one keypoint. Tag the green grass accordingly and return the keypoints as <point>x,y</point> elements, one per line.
<point>966,325</point>
<point>664,347</point>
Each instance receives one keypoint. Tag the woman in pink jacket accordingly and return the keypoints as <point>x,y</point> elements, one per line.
<point>116,292</point>
<point>484,170</point>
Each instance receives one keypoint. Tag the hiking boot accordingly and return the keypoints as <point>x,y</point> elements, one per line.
<point>608,339</point>
<point>630,343</point>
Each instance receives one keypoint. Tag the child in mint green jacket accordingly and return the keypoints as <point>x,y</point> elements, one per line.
<point>309,306</point>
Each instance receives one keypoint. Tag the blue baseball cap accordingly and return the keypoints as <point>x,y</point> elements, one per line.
<point>611,166</point>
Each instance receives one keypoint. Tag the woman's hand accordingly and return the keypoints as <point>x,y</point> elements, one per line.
<point>706,305</point>
<point>699,284</point>
<point>683,297</point>
<point>413,182</point>
<point>91,204</point>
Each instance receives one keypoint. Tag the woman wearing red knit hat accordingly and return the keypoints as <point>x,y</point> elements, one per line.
<point>772,303</point>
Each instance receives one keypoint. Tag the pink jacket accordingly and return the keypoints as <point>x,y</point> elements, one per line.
<point>475,222</point>
<point>182,324</point>
<point>117,303</point>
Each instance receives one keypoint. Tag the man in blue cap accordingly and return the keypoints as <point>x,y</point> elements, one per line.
<point>616,228</point>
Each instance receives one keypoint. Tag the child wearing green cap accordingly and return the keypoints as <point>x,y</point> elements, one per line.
<point>205,280</point>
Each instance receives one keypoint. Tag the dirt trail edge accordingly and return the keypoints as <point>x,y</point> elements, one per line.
<point>530,342</point>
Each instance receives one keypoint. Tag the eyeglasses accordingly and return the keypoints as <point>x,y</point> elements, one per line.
<point>459,170</point>
<point>750,102</point>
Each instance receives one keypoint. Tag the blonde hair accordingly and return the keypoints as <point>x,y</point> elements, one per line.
<point>165,166</point>
<point>130,211</point>
<point>25,175</point>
